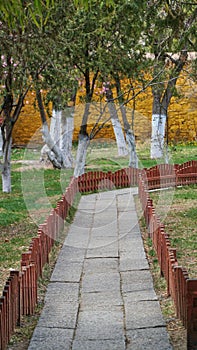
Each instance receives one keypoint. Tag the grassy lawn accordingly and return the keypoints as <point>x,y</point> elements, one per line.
<point>180,223</point>
<point>37,188</point>
<point>23,209</point>
<point>104,156</point>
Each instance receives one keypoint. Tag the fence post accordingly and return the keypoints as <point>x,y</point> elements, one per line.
<point>3,323</point>
<point>191,300</point>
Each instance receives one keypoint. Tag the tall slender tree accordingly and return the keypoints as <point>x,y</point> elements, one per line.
<point>170,35</point>
<point>16,21</point>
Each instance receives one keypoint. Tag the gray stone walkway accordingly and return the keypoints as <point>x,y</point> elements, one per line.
<point>101,294</point>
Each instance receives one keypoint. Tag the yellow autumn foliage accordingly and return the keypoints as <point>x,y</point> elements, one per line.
<point>182,115</point>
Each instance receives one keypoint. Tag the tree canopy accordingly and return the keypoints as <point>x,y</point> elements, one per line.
<point>53,44</point>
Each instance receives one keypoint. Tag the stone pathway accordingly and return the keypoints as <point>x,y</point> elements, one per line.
<point>101,294</point>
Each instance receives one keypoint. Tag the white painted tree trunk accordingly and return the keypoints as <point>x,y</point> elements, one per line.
<point>60,137</point>
<point>66,136</point>
<point>158,134</point>
<point>6,171</point>
<point>1,143</point>
<point>52,150</point>
<point>81,155</point>
<point>120,140</point>
<point>55,126</point>
<point>133,158</point>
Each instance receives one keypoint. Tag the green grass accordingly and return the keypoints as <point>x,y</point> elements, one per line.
<point>185,193</point>
<point>190,213</point>
<point>103,155</point>
<point>12,244</point>
<point>180,223</point>
<point>20,154</point>
<point>183,153</point>
<point>23,209</point>
<point>13,207</point>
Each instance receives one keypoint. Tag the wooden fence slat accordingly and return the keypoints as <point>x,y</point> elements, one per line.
<point>191,294</point>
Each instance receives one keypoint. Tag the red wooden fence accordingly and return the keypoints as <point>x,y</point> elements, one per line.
<point>159,176</point>
<point>20,291</point>
<point>182,289</point>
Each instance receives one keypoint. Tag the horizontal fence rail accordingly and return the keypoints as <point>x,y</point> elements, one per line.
<point>19,295</point>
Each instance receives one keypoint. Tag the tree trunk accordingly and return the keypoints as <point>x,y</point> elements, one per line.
<point>1,143</point>
<point>61,132</point>
<point>83,144</point>
<point>161,100</point>
<point>158,135</point>
<point>6,167</point>
<point>133,158</point>
<point>121,144</point>
<point>84,138</point>
<point>67,127</point>
<point>55,126</point>
<point>130,138</point>
<point>52,150</point>
<point>10,110</point>
<point>81,155</point>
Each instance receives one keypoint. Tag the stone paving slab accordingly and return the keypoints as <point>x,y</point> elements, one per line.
<point>76,230</point>
<point>148,339</point>
<point>58,295</point>
<point>78,240</point>
<point>111,300</point>
<point>105,204</point>
<point>126,250</point>
<point>109,230</point>
<point>86,204</point>
<point>100,265</point>
<point>103,252</point>
<point>43,339</point>
<point>127,243</point>
<point>63,292</point>
<point>130,264</point>
<point>143,314</point>
<point>99,282</point>
<point>102,219</point>
<point>105,344</point>
<point>102,242</point>
<point>71,272</point>
<point>54,315</point>
<point>127,225</point>
<point>100,325</point>
<point>70,253</point>
<point>124,206</point>
<point>136,280</point>
<point>140,295</point>
<point>83,219</point>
